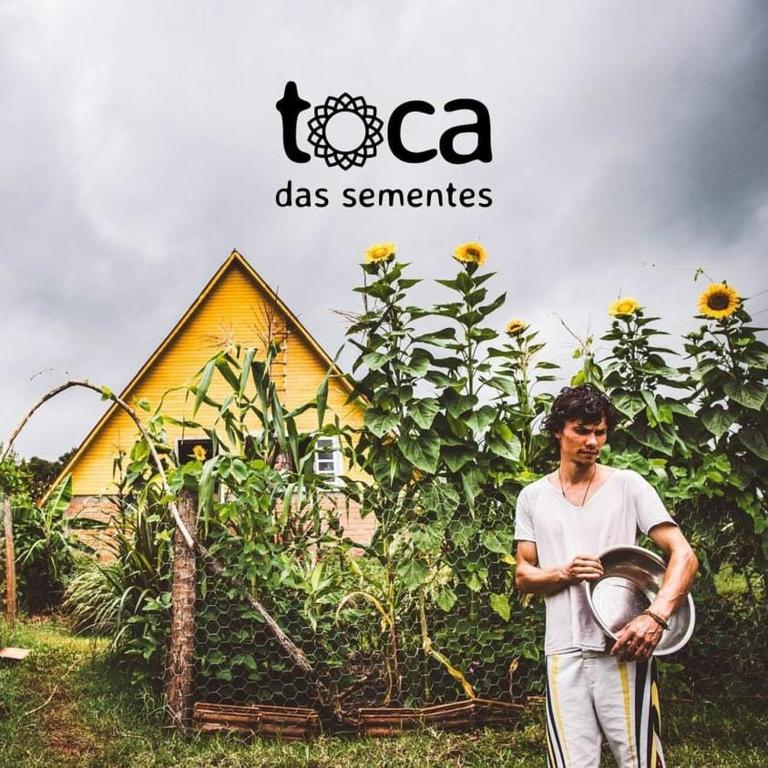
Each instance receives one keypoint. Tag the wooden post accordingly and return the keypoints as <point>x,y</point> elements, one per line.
<point>10,563</point>
<point>180,669</point>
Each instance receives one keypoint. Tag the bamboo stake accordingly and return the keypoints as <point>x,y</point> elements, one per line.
<point>104,392</point>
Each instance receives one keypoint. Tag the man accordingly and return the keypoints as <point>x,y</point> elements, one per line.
<point>563,522</point>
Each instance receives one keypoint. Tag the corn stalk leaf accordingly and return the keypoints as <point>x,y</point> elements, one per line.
<point>201,390</point>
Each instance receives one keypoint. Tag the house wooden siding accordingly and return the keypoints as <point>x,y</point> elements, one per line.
<point>235,307</point>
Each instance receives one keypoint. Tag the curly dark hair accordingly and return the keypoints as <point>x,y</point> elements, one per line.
<point>585,403</point>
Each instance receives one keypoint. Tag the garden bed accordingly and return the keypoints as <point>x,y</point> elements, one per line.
<point>303,723</point>
<point>457,716</point>
<point>285,722</point>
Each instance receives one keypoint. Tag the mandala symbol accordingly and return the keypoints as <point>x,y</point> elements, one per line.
<point>365,113</point>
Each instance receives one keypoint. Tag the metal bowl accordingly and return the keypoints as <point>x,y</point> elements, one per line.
<point>631,579</point>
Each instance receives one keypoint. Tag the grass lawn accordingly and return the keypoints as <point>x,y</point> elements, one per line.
<point>66,705</point>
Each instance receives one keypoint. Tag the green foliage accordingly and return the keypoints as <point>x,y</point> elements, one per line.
<point>126,596</point>
<point>448,440</point>
<point>427,609</point>
<point>42,473</point>
<point>443,402</point>
<point>14,478</point>
<point>46,547</point>
<point>260,511</point>
<point>695,431</point>
<point>730,368</point>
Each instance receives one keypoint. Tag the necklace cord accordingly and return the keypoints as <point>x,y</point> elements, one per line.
<point>562,487</point>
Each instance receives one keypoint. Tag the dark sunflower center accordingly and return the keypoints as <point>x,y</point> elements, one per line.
<point>473,253</point>
<point>718,301</point>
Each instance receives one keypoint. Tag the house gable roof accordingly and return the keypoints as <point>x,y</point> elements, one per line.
<point>234,261</point>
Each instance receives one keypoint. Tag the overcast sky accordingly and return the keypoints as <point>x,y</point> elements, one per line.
<point>140,144</point>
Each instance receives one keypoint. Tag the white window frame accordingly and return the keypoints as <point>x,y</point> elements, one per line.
<point>332,444</point>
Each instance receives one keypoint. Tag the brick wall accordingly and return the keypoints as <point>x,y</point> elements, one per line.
<point>101,508</point>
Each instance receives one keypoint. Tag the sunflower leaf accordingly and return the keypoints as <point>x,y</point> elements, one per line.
<point>503,443</point>
<point>499,542</point>
<point>716,420</point>
<point>376,360</point>
<point>478,420</point>
<point>423,412</point>
<point>456,457</point>
<point>423,451</point>
<point>379,422</point>
<point>755,441</point>
<point>413,573</point>
<point>749,394</point>
<point>472,482</point>
<point>446,599</point>
<point>500,605</point>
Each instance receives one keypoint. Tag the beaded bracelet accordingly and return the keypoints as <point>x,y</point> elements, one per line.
<point>655,616</point>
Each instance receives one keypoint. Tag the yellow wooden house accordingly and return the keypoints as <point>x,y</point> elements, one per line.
<point>236,306</point>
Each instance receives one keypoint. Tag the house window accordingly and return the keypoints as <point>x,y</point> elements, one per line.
<point>194,449</point>
<point>328,458</point>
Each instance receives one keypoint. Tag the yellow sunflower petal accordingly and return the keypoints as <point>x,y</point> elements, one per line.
<point>515,327</point>
<point>624,306</point>
<point>470,253</point>
<point>718,300</point>
<point>380,252</point>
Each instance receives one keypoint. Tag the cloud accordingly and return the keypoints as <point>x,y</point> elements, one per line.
<point>140,144</point>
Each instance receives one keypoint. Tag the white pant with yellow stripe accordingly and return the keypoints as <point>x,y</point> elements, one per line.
<point>589,694</point>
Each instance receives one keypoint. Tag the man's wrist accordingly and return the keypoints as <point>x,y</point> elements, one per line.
<point>663,608</point>
<point>660,620</point>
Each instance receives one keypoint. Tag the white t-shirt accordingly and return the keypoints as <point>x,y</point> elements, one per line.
<point>622,506</point>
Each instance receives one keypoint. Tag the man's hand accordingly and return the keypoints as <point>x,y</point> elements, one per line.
<point>637,640</point>
<point>583,568</point>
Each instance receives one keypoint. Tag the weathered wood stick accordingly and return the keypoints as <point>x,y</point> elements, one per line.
<point>180,668</point>
<point>10,564</point>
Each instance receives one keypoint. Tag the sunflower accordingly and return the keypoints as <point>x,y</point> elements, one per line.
<point>470,253</point>
<point>199,453</point>
<point>625,306</point>
<point>718,300</point>
<point>380,252</point>
<point>516,327</point>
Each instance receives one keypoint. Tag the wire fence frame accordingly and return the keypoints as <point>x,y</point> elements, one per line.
<point>471,653</point>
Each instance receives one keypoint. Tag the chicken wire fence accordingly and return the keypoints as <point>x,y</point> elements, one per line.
<point>386,624</point>
<point>728,653</point>
<point>410,622</point>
